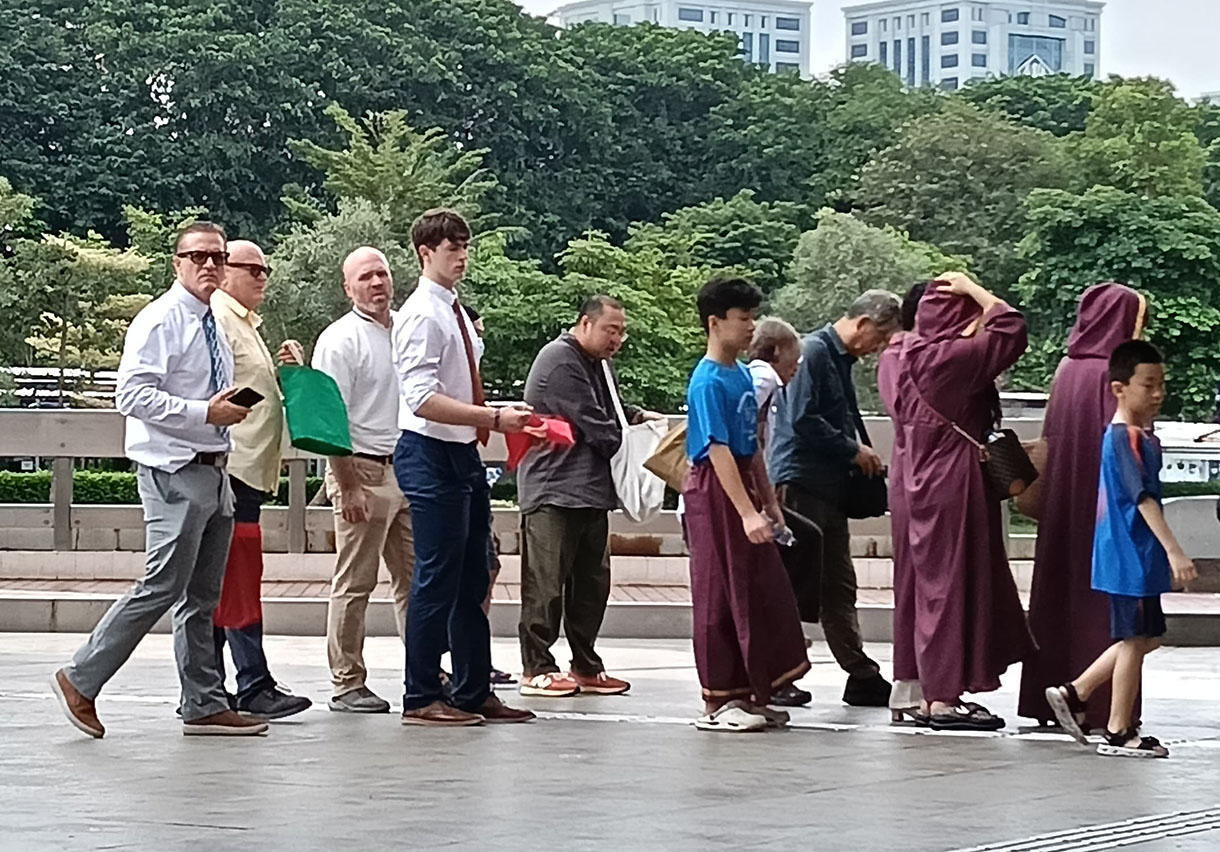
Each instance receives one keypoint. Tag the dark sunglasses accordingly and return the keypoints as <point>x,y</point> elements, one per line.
<point>200,258</point>
<point>255,269</point>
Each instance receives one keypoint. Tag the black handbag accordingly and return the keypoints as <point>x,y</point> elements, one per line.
<point>864,496</point>
<point>1007,467</point>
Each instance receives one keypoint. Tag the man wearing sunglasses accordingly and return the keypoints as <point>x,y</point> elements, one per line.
<point>254,474</point>
<point>174,387</point>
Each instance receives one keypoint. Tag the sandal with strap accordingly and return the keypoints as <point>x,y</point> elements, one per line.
<point>909,717</point>
<point>966,716</point>
<point>1129,743</point>
<point>1066,704</point>
<point>732,718</point>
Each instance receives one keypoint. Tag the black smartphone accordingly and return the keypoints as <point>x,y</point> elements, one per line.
<point>246,398</point>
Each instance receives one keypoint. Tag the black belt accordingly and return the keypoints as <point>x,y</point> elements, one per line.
<point>371,457</point>
<point>211,459</point>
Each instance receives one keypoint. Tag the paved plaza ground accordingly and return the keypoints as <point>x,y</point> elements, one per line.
<point>613,773</point>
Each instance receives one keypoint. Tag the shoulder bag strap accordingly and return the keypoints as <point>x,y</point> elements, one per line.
<point>958,429</point>
<point>610,386</point>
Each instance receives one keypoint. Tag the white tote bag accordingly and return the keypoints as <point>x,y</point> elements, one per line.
<point>639,491</point>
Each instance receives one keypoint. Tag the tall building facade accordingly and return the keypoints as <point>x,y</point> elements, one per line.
<point>772,33</point>
<point>947,44</point>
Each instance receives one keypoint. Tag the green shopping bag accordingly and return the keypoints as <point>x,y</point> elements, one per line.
<point>317,417</point>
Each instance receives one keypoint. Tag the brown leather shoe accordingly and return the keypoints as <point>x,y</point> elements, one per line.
<point>80,710</point>
<point>438,714</point>
<point>496,712</point>
<point>224,724</point>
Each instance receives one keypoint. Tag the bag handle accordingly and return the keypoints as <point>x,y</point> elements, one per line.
<point>983,454</point>
<point>618,403</point>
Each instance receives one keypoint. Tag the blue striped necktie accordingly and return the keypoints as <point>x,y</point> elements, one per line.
<point>219,380</point>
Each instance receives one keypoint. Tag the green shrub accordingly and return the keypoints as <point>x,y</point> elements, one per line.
<point>32,487</point>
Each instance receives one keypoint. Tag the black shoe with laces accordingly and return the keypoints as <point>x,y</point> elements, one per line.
<point>274,703</point>
<point>790,696</point>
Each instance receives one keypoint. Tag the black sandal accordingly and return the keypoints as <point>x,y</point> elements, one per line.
<point>909,717</point>
<point>1119,745</point>
<point>1069,710</point>
<point>966,716</point>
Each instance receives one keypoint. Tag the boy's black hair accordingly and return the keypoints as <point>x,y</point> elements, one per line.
<point>910,304</point>
<point>1130,354</point>
<point>720,295</point>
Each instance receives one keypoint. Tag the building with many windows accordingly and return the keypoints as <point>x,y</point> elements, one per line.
<point>947,44</point>
<point>774,33</point>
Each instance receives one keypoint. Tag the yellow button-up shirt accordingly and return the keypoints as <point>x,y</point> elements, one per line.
<point>257,440</point>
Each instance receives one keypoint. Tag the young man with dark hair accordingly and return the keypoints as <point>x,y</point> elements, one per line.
<point>1136,557</point>
<point>566,495</point>
<point>174,387</point>
<point>444,419</point>
<point>747,636</point>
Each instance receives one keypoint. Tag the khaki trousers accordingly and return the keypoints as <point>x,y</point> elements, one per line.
<point>360,548</point>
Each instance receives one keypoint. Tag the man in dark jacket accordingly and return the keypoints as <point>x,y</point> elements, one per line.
<point>816,445</point>
<point>566,495</point>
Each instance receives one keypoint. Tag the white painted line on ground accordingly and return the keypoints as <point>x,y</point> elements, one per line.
<point>1113,835</point>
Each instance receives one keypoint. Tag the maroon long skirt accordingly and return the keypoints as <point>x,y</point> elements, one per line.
<point>747,633</point>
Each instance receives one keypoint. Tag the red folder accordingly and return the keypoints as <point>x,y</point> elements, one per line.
<point>542,428</point>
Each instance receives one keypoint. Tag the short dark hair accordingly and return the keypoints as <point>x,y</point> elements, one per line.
<point>1128,355</point>
<point>720,295</point>
<point>594,306</point>
<point>200,227</point>
<point>910,304</point>
<point>435,226</point>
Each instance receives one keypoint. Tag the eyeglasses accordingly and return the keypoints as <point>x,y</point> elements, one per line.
<point>255,269</point>
<point>200,258</point>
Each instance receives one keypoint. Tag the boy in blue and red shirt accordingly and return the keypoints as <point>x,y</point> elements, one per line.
<point>1136,558</point>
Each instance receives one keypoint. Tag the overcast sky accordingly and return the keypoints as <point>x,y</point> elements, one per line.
<point>1177,39</point>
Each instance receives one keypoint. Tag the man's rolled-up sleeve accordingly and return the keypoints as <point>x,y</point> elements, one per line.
<point>418,344</point>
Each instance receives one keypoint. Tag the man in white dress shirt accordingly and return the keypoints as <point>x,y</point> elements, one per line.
<point>372,518</point>
<point>444,419</point>
<point>174,385</point>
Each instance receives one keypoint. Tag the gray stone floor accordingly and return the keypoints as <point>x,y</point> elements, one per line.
<point>621,773</point>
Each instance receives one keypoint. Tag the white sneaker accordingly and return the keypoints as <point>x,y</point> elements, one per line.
<point>551,685</point>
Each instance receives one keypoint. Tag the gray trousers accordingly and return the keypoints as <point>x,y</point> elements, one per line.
<point>188,524</point>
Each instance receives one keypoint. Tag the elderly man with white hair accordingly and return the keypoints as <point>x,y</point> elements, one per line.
<point>372,517</point>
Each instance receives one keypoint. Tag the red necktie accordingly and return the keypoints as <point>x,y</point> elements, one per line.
<point>476,383</point>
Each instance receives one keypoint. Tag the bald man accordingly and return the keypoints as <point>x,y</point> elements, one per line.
<point>254,473</point>
<point>372,517</point>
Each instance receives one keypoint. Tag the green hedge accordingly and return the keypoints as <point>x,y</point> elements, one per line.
<point>102,487</point>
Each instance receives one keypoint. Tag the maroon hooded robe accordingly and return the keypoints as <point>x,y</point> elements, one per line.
<point>969,624</point>
<point>1070,621</point>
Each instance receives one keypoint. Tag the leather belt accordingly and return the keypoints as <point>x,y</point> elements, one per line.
<point>211,459</point>
<point>371,457</point>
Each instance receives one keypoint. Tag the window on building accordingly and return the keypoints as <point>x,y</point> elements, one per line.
<point>858,51</point>
<point>656,16</point>
<point>762,21</point>
<point>978,37</point>
<point>910,22</point>
<point>883,53</point>
<point>857,27</point>
<point>747,46</point>
<point>885,24</point>
<point>948,16</point>
<point>949,37</point>
<point>979,60</point>
<point>621,19</point>
<point>1090,47</point>
<point>1090,25</point>
<point>787,45</point>
<point>1090,70</point>
<point>925,19</point>
<point>949,60</point>
<point>1058,23</point>
<point>729,18</point>
<point>787,67</point>
<point>685,14</point>
<point>712,17</point>
<point>1023,18</point>
<point>949,84</point>
<point>911,62</point>
<point>925,60</point>
<point>764,49</point>
<point>977,14</point>
<point>794,24</point>
<point>1026,52</point>
<point>898,56</point>
<point>746,19</point>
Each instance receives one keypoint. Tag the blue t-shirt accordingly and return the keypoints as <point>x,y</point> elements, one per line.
<point>722,410</point>
<point>1127,558</point>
